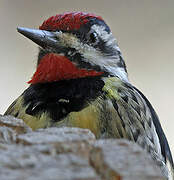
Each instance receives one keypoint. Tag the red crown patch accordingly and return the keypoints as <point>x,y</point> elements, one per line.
<point>67,21</point>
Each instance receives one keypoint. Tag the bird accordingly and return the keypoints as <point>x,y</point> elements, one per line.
<point>81,80</point>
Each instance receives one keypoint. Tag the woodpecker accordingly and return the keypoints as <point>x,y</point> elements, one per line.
<point>81,81</point>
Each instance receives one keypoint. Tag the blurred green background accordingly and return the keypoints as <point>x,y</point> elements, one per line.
<point>144,30</point>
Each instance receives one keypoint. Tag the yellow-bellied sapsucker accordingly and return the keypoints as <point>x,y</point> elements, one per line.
<point>81,81</point>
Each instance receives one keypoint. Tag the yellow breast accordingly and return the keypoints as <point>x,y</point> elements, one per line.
<point>87,118</point>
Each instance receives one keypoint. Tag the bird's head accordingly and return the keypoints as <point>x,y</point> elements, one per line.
<point>75,45</point>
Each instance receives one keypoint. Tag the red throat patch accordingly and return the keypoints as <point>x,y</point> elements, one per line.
<point>67,21</point>
<point>54,67</point>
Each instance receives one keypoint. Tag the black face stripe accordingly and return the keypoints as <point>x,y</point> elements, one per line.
<point>62,97</point>
<point>105,49</point>
<point>95,21</point>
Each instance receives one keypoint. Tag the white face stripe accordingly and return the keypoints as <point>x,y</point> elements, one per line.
<point>94,56</point>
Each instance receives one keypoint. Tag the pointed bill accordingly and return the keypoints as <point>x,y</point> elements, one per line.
<point>41,37</point>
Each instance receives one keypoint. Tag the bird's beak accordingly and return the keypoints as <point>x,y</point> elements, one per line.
<point>42,38</point>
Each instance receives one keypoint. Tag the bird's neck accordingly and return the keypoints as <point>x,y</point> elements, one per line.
<point>122,74</point>
<point>54,67</point>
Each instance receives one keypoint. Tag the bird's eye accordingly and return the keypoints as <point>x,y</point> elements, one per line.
<point>93,38</point>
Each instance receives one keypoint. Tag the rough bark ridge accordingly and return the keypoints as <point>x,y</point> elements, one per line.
<point>69,154</point>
